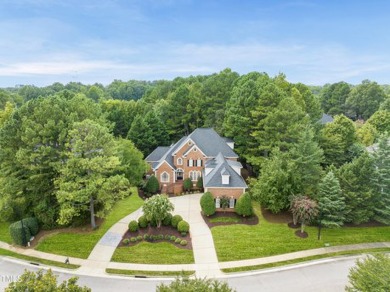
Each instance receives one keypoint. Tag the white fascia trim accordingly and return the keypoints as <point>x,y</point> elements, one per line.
<point>193,146</point>
<point>182,144</point>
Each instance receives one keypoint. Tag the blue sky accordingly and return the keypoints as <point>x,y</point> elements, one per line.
<point>314,42</point>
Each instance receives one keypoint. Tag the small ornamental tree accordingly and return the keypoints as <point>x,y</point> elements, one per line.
<point>197,284</point>
<point>207,204</point>
<point>304,209</point>
<point>40,281</point>
<point>187,184</point>
<point>152,185</point>
<point>157,208</point>
<point>370,274</point>
<point>224,202</point>
<point>244,205</point>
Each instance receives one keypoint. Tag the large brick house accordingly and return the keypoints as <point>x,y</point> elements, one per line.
<point>203,154</point>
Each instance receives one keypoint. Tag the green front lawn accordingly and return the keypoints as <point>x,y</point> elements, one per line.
<point>162,253</point>
<point>239,242</point>
<point>80,245</point>
<point>150,273</point>
<point>4,232</point>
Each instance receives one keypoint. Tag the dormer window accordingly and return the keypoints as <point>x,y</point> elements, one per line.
<point>225,179</point>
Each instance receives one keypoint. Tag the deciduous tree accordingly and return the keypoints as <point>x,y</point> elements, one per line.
<point>157,208</point>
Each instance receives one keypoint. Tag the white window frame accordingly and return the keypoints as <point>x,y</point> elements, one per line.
<point>162,177</point>
<point>180,161</point>
<point>199,162</point>
<point>190,163</point>
<point>194,175</point>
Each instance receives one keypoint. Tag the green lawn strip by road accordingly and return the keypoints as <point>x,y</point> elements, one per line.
<point>310,258</point>
<point>80,245</point>
<point>162,253</point>
<point>4,232</point>
<point>239,242</point>
<point>4,252</point>
<point>150,273</point>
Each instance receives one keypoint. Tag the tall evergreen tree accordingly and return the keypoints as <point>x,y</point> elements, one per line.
<point>330,201</point>
<point>382,180</point>
<point>357,187</point>
<point>307,157</point>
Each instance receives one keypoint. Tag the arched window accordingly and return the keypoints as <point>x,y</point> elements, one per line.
<point>194,175</point>
<point>164,177</point>
<point>179,161</point>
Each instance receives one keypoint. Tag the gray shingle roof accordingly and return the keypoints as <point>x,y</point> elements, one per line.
<point>325,119</point>
<point>157,154</point>
<point>214,178</point>
<point>211,143</point>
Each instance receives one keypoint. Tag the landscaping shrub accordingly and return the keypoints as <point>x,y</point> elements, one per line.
<point>133,239</point>
<point>153,223</point>
<point>199,183</point>
<point>126,241</point>
<point>207,204</point>
<point>16,232</point>
<point>155,237</point>
<point>139,237</point>
<point>167,220</point>
<point>183,234</point>
<point>244,205</point>
<point>224,200</point>
<point>187,184</point>
<point>152,185</point>
<point>32,224</point>
<point>173,238</point>
<point>175,220</point>
<point>177,240</point>
<point>133,226</point>
<point>143,222</point>
<point>161,236</point>
<point>167,237</point>
<point>183,242</point>
<point>183,226</point>
<point>146,236</point>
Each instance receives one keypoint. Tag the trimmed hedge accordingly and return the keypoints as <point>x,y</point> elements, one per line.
<point>183,226</point>
<point>167,220</point>
<point>133,226</point>
<point>244,205</point>
<point>183,242</point>
<point>152,185</point>
<point>143,222</point>
<point>32,224</point>
<point>175,220</point>
<point>16,231</point>
<point>207,204</point>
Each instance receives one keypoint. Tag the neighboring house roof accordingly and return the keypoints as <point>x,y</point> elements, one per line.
<point>211,143</point>
<point>373,148</point>
<point>221,166</point>
<point>157,154</point>
<point>325,119</point>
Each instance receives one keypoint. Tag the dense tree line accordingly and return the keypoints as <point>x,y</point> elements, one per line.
<point>274,124</point>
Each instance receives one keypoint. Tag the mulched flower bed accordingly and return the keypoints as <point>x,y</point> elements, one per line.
<point>164,230</point>
<point>294,226</point>
<point>301,234</point>
<point>252,220</point>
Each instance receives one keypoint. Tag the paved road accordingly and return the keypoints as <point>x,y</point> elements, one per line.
<point>325,275</point>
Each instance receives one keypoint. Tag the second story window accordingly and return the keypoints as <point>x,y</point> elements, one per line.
<point>190,163</point>
<point>179,161</point>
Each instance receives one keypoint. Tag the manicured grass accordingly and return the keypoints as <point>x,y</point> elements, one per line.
<point>238,242</point>
<point>300,260</point>
<point>162,253</point>
<point>225,220</point>
<point>4,252</point>
<point>4,232</point>
<point>150,273</point>
<point>80,245</point>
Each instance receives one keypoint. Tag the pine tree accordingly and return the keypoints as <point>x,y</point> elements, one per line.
<point>307,157</point>
<point>382,181</point>
<point>331,203</point>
